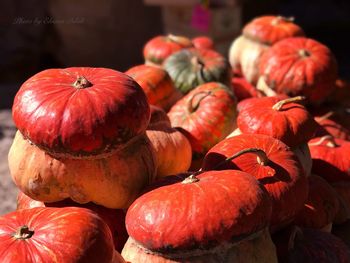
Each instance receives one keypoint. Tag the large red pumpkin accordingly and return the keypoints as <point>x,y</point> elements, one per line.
<point>41,235</point>
<point>159,48</point>
<point>298,66</point>
<point>327,126</point>
<point>114,218</point>
<point>278,117</point>
<point>157,85</point>
<point>216,216</point>
<point>80,111</point>
<point>272,163</point>
<point>207,114</point>
<point>257,37</point>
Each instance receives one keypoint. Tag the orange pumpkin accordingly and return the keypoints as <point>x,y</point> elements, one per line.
<point>157,85</point>
<point>172,149</point>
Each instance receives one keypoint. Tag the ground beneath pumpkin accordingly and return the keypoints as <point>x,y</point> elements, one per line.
<point>8,191</point>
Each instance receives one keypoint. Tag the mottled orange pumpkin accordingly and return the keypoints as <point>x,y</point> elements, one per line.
<point>157,85</point>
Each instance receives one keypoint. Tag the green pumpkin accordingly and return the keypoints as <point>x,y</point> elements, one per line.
<point>191,67</point>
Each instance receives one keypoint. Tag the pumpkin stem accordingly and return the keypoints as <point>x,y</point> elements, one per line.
<point>326,116</point>
<point>278,19</point>
<point>331,142</point>
<point>304,53</point>
<point>23,232</point>
<point>180,40</point>
<point>194,106</point>
<point>297,233</point>
<point>261,156</point>
<point>281,103</point>
<point>192,178</point>
<point>81,83</point>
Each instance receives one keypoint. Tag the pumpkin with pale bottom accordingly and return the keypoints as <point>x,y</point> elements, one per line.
<point>216,216</point>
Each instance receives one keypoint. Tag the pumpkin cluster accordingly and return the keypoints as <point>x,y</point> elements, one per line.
<point>190,157</point>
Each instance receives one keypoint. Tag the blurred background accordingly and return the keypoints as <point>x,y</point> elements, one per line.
<point>37,34</point>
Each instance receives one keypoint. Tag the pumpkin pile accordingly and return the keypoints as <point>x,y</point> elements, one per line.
<point>191,157</point>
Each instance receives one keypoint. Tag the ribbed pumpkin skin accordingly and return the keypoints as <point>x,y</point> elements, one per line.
<point>114,218</point>
<point>329,161</point>
<point>191,67</point>
<point>157,85</point>
<point>207,114</point>
<point>271,29</point>
<point>172,148</point>
<point>159,48</point>
<point>257,37</point>
<point>299,66</point>
<point>219,207</point>
<point>321,207</point>
<point>282,176</point>
<point>60,115</point>
<point>67,235</point>
<point>292,124</point>
<point>113,181</point>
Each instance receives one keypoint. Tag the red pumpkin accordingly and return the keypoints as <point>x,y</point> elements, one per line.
<point>295,245</point>
<point>281,118</point>
<point>207,114</point>
<point>80,111</point>
<point>341,94</point>
<point>114,218</point>
<point>204,218</point>
<point>41,235</point>
<point>329,127</point>
<point>330,157</point>
<point>257,37</point>
<point>272,163</point>
<point>172,148</point>
<point>157,85</point>
<point>321,207</point>
<point>203,42</point>
<point>298,66</point>
<point>159,48</point>
<point>243,89</point>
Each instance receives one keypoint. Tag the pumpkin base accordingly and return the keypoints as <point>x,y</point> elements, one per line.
<point>256,248</point>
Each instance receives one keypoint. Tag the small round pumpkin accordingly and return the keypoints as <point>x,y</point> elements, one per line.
<point>257,37</point>
<point>203,42</point>
<point>191,67</point>
<point>298,66</point>
<point>43,234</point>
<point>216,216</point>
<point>272,163</point>
<point>159,48</point>
<point>157,85</point>
<point>207,114</point>
<point>113,180</point>
<point>114,218</point>
<point>281,118</point>
<point>80,111</point>
<point>172,149</point>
